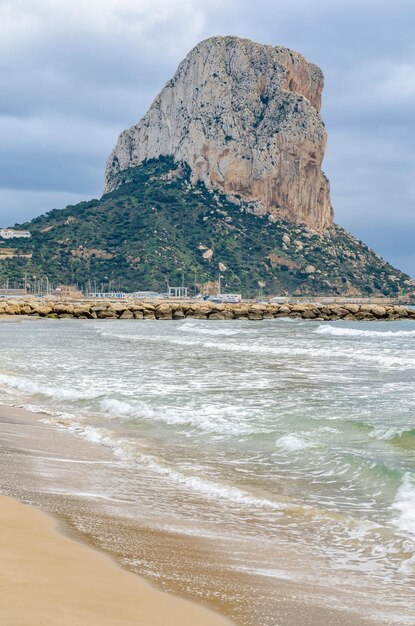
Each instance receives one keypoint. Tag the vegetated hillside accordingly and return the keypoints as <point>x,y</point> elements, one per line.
<point>156,226</point>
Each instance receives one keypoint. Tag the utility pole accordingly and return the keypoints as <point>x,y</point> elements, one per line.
<point>261,285</point>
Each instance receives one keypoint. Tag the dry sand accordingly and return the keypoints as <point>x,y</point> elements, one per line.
<point>46,578</point>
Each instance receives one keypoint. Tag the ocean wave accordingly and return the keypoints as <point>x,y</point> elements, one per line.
<point>120,336</point>
<point>275,348</point>
<point>399,435</point>
<point>118,408</point>
<point>293,443</point>
<point>358,332</point>
<point>124,450</point>
<point>393,434</point>
<point>212,490</point>
<point>404,505</point>
<point>121,448</point>
<point>34,388</point>
<point>307,350</point>
<point>207,418</point>
<point>213,329</point>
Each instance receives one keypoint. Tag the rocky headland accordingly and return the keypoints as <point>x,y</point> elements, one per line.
<point>223,174</point>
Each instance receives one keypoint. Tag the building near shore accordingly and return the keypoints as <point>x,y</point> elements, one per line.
<point>11,233</point>
<point>229,298</point>
<point>178,292</point>
<point>68,291</point>
<point>147,294</point>
<point>15,293</point>
<point>108,295</point>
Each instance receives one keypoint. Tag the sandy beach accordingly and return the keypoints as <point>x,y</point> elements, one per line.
<point>47,578</point>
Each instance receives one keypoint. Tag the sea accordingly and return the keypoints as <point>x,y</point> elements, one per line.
<point>264,465</point>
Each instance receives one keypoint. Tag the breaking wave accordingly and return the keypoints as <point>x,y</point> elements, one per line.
<point>208,418</point>
<point>293,443</point>
<point>404,505</point>
<point>356,332</point>
<point>48,391</point>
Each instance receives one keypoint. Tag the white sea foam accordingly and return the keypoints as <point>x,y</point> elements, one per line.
<point>213,329</point>
<point>33,388</point>
<point>203,487</point>
<point>305,350</point>
<point>210,489</point>
<point>404,505</point>
<point>293,443</point>
<point>89,495</point>
<point>103,437</point>
<point>268,572</point>
<point>120,336</point>
<point>281,349</point>
<point>117,408</point>
<point>407,566</point>
<point>337,331</point>
<point>386,433</point>
<point>220,420</point>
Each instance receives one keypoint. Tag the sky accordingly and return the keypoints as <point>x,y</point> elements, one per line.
<point>75,73</point>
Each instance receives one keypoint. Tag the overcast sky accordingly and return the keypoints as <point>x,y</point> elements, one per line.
<point>77,72</point>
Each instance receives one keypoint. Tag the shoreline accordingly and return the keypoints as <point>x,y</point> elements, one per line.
<point>57,508</point>
<point>45,574</point>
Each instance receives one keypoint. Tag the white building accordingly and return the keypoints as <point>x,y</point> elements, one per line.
<point>178,292</point>
<point>233,298</point>
<point>147,294</point>
<point>10,233</point>
<point>108,295</point>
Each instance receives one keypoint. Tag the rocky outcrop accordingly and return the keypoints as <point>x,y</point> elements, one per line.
<point>168,310</point>
<point>246,118</point>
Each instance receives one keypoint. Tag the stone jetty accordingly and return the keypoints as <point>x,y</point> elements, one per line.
<point>175,310</point>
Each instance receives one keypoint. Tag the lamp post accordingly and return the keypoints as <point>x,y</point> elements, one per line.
<point>222,268</point>
<point>261,285</point>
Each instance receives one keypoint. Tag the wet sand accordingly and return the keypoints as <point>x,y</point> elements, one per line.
<point>47,578</point>
<point>52,468</point>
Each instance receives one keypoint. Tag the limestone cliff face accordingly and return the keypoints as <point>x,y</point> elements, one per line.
<point>245,117</point>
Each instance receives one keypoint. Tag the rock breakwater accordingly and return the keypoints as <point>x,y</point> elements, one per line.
<point>162,310</point>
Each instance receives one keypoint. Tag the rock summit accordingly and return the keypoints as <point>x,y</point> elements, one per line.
<point>246,118</point>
